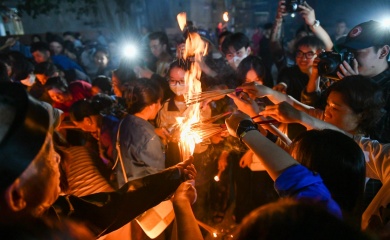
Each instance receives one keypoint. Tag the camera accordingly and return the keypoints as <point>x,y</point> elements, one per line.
<point>330,61</point>
<point>292,5</point>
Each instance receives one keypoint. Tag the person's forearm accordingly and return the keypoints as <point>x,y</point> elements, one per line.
<point>186,221</point>
<point>276,33</point>
<point>277,97</point>
<point>313,85</point>
<point>324,36</point>
<point>314,123</point>
<point>298,105</point>
<point>274,159</point>
<point>106,212</point>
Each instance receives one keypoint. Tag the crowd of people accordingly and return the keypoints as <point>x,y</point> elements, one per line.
<point>90,139</point>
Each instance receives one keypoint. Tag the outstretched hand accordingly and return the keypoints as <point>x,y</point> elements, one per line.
<point>245,104</point>
<point>185,192</point>
<point>187,168</point>
<point>142,72</point>
<point>255,90</point>
<point>307,13</point>
<point>281,9</point>
<point>163,133</point>
<point>282,112</point>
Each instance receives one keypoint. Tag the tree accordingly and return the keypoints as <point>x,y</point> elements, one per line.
<point>34,8</point>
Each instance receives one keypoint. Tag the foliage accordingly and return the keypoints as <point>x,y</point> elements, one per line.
<point>35,8</point>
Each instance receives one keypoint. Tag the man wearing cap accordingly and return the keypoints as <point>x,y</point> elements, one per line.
<point>30,177</point>
<point>370,44</point>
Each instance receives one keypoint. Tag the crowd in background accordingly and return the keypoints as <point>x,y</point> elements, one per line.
<point>308,121</point>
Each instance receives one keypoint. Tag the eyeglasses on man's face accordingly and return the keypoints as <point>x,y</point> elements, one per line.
<point>308,55</point>
<point>173,82</point>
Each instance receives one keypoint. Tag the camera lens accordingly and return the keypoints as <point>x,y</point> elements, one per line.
<point>327,66</point>
<point>294,7</point>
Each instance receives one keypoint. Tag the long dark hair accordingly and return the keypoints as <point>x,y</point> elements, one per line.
<point>257,64</point>
<point>99,104</point>
<point>339,161</point>
<point>58,83</point>
<point>294,219</point>
<point>141,93</point>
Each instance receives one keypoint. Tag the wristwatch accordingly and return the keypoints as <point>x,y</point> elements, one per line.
<point>316,24</point>
<point>245,126</point>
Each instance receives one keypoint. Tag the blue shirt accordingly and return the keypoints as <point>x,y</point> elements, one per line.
<point>301,183</point>
<point>66,63</point>
<point>141,149</point>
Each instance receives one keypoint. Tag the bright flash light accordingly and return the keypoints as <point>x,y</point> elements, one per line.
<point>216,178</point>
<point>385,23</point>
<point>292,15</point>
<point>225,16</point>
<point>129,51</point>
<point>215,235</point>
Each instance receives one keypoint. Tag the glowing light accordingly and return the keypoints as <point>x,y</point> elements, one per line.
<point>129,51</point>
<point>195,48</point>
<point>225,16</point>
<point>218,176</point>
<point>292,15</point>
<point>215,235</point>
<point>385,23</point>
<point>182,20</point>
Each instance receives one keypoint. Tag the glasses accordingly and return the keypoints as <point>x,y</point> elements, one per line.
<point>308,55</point>
<point>175,82</point>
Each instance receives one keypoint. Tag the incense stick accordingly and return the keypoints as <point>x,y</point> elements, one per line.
<point>202,96</point>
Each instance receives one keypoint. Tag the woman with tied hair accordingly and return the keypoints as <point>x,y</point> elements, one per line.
<point>102,84</point>
<point>100,117</point>
<point>64,95</point>
<point>141,148</point>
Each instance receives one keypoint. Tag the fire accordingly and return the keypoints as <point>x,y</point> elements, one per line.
<point>195,49</point>
<point>182,20</point>
<point>225,16</point>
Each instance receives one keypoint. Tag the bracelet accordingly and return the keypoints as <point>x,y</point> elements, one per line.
<point>316,24</point>
<point>244,127</point>
<point>244,133</point>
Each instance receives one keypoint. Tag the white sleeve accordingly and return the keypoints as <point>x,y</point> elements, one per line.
<point>377,158</point>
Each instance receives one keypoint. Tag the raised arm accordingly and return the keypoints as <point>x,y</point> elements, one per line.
<point>308,15</point>
<point>291,178</point>
<point>186,222</point>
<point>275,159</point>
<point>255,90</point>
<point>286,113</point>
<point>106,212</point>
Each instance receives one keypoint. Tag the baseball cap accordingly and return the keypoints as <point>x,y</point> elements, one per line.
<point>205,35</point>
<point>24,136</point>
<point>366,35</point>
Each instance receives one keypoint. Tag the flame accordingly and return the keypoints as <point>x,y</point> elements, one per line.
<point>195,49</point>
<point>182,20</point>
<point>225,16</point>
